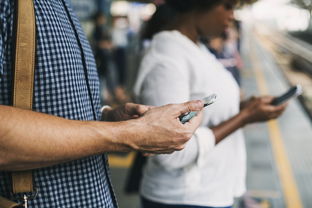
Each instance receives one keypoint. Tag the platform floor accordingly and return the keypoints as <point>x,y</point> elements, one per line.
<point>279,152</point>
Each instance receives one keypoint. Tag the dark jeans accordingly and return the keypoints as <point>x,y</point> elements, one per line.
<point>150,204</point>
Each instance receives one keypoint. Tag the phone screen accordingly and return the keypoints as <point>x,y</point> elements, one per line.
<point>207,101</point>
<point>292,92</point>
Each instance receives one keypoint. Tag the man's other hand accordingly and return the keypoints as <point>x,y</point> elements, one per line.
<point>124,112</point>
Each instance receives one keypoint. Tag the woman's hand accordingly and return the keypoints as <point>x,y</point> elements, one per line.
<point>258,109</point>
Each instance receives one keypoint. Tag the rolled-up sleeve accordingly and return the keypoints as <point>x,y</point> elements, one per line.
<point>206,142</point>
<point>195,151</point>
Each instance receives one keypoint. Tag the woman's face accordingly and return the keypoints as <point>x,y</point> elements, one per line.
<point>214,21</point>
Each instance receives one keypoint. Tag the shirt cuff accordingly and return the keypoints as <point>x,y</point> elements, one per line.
<point>206,142</point>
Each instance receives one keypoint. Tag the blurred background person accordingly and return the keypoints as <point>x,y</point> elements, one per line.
<point>225,48</point>
<point>110,54</point>
<point>103,51</point>
<point>120,32</point>
<point>211,170</point>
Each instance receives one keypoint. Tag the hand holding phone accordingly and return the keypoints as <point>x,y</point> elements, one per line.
<point>207,101</point>
<point>292,92</point>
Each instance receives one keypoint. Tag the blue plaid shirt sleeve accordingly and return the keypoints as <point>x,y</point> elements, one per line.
<point>66,85</point>
<point>1,43</point>
<point>1,54</point>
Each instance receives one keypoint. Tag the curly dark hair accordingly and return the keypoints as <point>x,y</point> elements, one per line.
<point>160,19</point>
<point>190,5</point>
<point>183,6</point>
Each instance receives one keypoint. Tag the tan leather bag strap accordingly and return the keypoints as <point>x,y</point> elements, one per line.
<point>24,55</point>
<point>24,65</point>
<point>25,51</point>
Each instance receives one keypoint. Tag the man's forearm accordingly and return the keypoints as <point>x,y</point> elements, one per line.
<point>32,140</point>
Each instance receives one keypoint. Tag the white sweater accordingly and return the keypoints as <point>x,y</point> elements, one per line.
<point>176,70</point>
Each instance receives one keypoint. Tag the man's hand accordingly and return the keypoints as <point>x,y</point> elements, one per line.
<point>160,130</point>
<point>124,112</point>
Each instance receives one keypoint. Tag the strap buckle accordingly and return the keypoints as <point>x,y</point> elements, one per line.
<point>25,203</point>
<point>24,198</point>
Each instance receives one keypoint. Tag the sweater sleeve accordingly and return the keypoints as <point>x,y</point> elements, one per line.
<point>168,82</point>
<point>195,151</point>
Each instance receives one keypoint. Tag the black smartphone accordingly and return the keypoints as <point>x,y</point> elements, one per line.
<point>207,101</point>
<point>292,92</point>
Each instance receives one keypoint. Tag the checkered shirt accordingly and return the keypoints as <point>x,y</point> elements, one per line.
<point>66,85</point>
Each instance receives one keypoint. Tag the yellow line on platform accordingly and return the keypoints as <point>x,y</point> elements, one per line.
<point>288,183</point>
<point>116,161</point>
